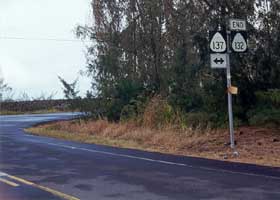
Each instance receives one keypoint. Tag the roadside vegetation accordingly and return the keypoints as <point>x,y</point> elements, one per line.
<point>169,133</point>
<point>255,145</point>
<point>153,88</point>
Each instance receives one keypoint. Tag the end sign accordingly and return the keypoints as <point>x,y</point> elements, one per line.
<point>237,25</point>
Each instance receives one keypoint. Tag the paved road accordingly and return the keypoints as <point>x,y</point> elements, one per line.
<point>46,168</point>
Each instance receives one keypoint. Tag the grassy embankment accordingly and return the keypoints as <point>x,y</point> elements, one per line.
<point>255,145</point>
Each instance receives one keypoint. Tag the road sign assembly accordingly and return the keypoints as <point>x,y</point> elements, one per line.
<point>222,43</point>
<point>218,60</point>
<point>218,42</point>
<point>239,41</point>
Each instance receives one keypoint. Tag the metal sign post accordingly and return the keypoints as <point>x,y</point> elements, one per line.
<point>230,114</point>
<point>237,41</point>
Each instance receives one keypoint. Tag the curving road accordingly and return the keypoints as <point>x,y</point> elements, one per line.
<point>33,167</point>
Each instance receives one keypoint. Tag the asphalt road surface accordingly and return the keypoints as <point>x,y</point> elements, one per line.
<point>33,167</point>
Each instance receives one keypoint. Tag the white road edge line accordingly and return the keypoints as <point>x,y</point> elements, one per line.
<point>3,174</point>
<point>155,160</point>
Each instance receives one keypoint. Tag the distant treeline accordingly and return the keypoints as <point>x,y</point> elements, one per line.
<point>33,106</point>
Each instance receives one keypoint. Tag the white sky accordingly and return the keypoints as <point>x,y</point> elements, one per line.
<point>32,66</point>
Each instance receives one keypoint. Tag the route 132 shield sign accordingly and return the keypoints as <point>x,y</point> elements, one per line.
<point>239,41</point>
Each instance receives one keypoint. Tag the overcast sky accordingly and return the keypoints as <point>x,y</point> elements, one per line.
<point>32,66</point>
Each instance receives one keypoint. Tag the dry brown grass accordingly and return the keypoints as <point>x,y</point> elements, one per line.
<point>255,145</point>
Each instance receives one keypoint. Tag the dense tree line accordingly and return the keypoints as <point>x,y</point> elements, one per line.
<point>143,48</point>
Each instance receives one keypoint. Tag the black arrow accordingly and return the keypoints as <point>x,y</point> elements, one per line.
<point>221,61</point>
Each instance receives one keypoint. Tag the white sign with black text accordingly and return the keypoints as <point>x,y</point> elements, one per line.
<point>237,25</point>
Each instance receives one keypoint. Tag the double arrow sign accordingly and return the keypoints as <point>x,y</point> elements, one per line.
<point>219,61</point>
<point>218,43</point>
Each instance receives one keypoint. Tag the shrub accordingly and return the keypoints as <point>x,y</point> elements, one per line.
<point>270,98</point>
<point>264,117</point>
<point>134,110</point>
<point>204,120</point>
<point>158,113</point>
<point>267,110</point>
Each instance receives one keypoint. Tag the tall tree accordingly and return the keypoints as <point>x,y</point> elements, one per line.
<point>4,89</point>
